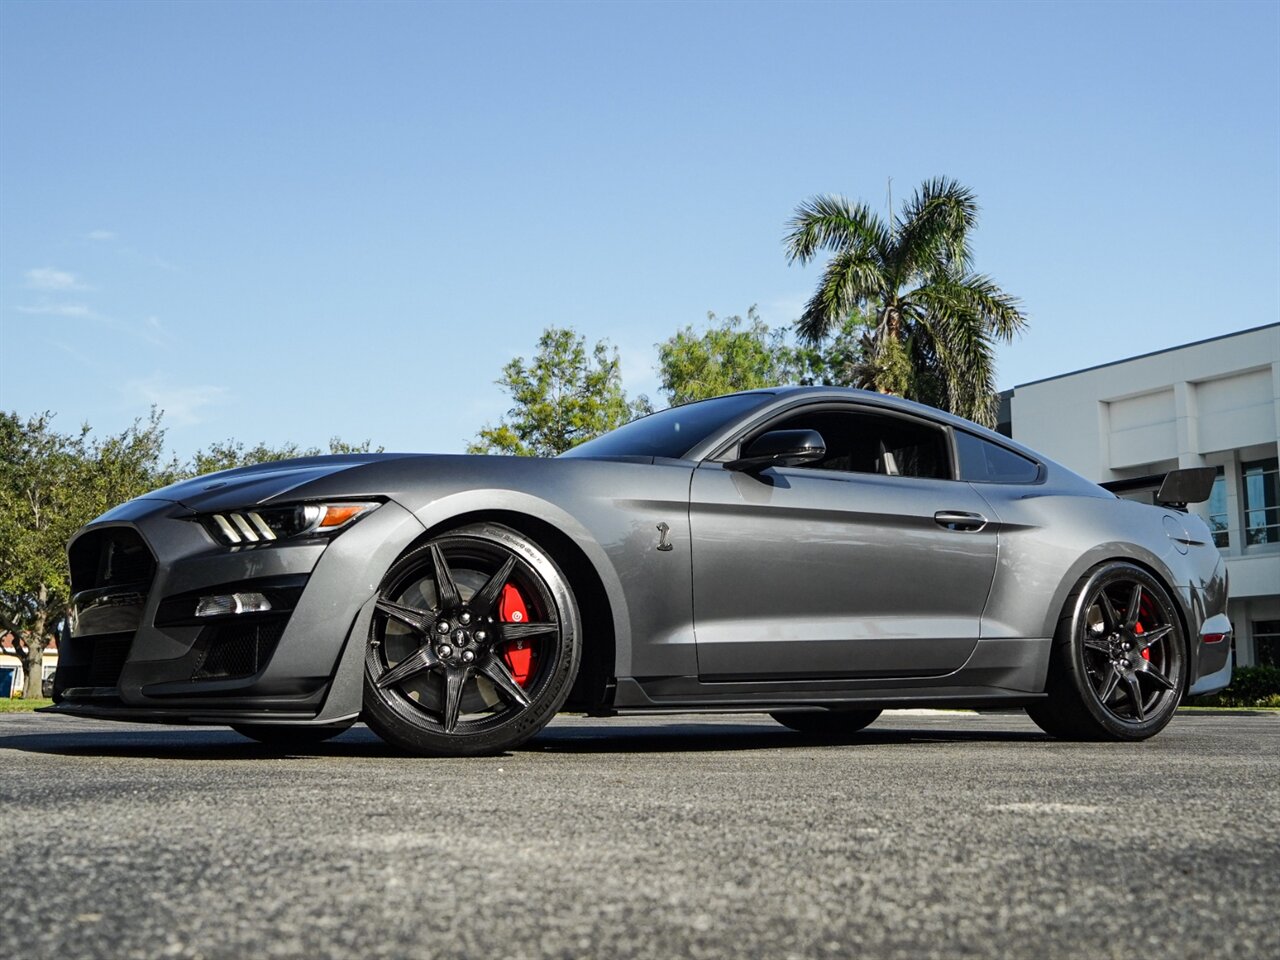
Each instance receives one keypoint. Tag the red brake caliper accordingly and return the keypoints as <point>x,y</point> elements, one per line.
<point>1146,654</point>
<point>519,655</point>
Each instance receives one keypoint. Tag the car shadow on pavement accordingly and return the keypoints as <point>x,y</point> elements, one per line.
<point>603,737</point>
<point>715,737</point>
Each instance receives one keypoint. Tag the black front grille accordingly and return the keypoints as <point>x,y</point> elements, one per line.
<point>110,557</point>
<point>91,662</point>
<point>233,650</point>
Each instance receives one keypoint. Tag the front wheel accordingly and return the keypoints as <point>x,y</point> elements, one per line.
<point>1118,664</point>
<point>828,724</point>
<point>474,644</point>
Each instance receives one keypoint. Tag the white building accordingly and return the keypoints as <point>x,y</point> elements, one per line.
<point>1212,403</point>
<point>13,676</point>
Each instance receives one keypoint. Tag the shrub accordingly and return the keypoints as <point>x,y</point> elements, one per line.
<point>1250,687</point>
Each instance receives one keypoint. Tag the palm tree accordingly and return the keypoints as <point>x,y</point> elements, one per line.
<point>935,320</point>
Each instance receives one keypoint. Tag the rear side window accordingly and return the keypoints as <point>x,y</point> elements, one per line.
<point>985,462</point>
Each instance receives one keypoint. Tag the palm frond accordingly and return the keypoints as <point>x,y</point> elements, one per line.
<point>932,233</point>
<point>851,279</point>
<point>830,222</point>
<point>963,343</point>
<point>1001,312</point>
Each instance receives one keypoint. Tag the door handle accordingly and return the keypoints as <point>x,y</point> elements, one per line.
<point>960,521</point>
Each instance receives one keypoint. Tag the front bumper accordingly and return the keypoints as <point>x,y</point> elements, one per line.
<point>130,658</point>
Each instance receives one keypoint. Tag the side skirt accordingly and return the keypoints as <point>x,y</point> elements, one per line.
<point>999,673</point>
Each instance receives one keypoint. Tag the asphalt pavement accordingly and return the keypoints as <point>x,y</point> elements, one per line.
<point>932,835</point>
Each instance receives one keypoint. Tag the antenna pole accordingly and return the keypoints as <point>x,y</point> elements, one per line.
<point>889,181</point>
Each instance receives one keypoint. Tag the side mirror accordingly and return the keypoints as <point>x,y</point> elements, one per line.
<point>780,448</point>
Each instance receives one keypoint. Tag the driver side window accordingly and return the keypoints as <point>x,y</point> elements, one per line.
<point>870,442</point>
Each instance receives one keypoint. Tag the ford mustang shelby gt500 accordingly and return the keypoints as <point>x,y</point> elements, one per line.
<point>817,554</point>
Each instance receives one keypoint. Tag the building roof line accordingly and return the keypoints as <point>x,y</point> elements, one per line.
<point>1143,356</point>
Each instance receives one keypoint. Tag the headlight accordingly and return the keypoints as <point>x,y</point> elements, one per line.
<point>266,524</point>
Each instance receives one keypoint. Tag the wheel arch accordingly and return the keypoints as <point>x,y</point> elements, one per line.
<point>1124,553</point>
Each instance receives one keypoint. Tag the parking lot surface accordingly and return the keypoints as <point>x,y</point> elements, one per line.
<point>931,835</point>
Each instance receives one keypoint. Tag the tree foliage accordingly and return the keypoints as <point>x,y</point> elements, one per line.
<point>51,484</point>
<point>564,396</point>
<point>233,453</point>
<point>729,355</point>
<point>733,354</point>
<point>936,320</point>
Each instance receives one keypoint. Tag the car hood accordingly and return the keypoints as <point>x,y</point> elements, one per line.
<point>247,486</point>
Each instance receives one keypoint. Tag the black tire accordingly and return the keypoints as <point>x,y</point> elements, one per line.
<point>827,724</point>
<point>287,735</point>
<point>1117,669</point>
<point>420,694</point>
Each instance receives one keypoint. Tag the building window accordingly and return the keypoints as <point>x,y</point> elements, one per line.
<point>1218,511</point>
<point>1266,642</point>
<point>1261,482</point>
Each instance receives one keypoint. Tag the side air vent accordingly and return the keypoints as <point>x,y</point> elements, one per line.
<point>88,665</point>
<point>234,650</point>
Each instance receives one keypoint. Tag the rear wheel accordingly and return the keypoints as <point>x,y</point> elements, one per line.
<point>290,735</point>
<point>1118,663</point>
<point>474,644</point>
<point>830,724</point>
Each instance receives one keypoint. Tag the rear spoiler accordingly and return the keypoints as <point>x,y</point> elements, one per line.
<point>1179,487</point>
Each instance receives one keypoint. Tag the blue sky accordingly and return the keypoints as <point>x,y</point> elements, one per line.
<point>284,221</point>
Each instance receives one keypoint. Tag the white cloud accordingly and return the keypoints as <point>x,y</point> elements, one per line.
<point>75,311</point>
<point>150,259</point>
<point>182,403</point>
<point>153,330</point>
<point>47,278</point>
<point>100,235</point>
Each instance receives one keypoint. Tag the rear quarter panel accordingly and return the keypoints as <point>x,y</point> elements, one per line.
<point>1049,538</point>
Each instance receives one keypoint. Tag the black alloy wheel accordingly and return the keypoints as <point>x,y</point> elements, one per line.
<point>1118,664</point>
<point>474,644</point>
<point>288,736</point>
<point>827,724</point>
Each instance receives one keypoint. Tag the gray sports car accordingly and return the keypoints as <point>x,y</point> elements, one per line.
<point>816,554</point>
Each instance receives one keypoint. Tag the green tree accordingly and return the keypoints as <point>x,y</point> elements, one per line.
<point>730,355</point>
<point>51,484</point>
<point>565,396</point>
<point>935,320</point>
<point>836,360</point>
<point>233,453</point>
<point>735,354</point>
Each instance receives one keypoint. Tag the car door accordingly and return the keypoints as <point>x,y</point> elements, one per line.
<point>872,562</point>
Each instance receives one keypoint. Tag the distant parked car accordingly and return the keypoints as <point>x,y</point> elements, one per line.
<point>816,554</point>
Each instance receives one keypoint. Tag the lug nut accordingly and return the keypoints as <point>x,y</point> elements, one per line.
<point>468,655</point>
<point>481,636</point>
<point>445,650</point>
<point>464,618</point>
<point>442,626</point>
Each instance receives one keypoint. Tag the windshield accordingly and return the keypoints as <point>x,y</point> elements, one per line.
<point>673,432</point>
